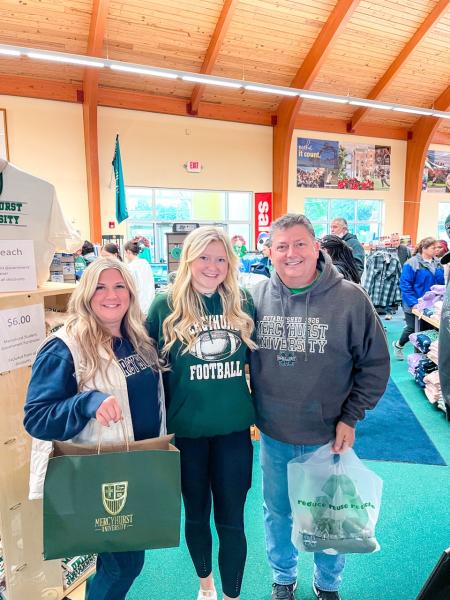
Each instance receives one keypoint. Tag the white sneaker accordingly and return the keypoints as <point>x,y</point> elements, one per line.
<point>398,351</point>
<point>207,595</point>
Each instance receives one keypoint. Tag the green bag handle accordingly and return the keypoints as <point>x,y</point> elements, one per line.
<point>124,432</point>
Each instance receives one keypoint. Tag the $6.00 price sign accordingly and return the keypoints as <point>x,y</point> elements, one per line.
<point>22,330</point>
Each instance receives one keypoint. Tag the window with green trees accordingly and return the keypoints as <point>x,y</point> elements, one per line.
<point>364,217</point>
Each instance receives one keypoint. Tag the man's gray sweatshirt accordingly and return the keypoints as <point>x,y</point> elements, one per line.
<point>322,357</point>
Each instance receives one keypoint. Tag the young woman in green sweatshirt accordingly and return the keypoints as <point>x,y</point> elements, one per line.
<point>204,328</point>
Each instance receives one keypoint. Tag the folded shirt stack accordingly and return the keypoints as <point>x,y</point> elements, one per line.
<point>433,387</point>
<point>423,339</point>
<point>424,367</point>
<point>429,299</point>
<point>433,352</point>
<point>413,361</point>
<point>438,310</point>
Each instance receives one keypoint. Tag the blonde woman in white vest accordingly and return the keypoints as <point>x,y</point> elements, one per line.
<point>99,368</point>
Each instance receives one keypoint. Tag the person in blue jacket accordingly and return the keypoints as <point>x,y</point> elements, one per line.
<point>419,273</point>
<point>99,368</point>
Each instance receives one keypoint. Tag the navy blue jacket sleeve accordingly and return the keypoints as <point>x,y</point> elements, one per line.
<point>54,410</point>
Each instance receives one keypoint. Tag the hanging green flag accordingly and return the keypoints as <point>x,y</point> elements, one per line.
<point>121,201</point>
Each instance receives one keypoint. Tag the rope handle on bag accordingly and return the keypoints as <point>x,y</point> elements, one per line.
<point>124,428</point>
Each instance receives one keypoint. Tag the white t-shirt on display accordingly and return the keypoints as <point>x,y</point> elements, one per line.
<point>29,210</point>
<point>143,276</point>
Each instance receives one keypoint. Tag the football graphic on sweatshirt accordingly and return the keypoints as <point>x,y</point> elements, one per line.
<point>216,345</point>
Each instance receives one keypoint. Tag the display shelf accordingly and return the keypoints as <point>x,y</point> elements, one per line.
<point>430,320</point>
<point>48,288</point>
<point>27,575</point>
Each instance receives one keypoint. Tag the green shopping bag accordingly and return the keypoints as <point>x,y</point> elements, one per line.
<point>114,501</point>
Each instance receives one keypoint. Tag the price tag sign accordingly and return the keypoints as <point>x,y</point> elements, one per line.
<point>17,266</point>
<point>22,330</point>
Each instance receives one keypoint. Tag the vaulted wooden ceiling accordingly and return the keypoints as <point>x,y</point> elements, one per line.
<point>392,50</point>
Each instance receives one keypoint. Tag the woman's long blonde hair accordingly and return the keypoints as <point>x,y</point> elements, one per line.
<point>89,333</point>
<point>186,303</point>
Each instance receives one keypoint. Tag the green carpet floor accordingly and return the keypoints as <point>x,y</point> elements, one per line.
<point>413,529</point>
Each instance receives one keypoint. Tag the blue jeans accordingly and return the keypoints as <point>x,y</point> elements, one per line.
<point>281,552</point>
<point>115,574</point>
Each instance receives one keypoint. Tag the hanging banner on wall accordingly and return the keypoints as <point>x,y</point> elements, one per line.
<point>263,217</point>
<point>334,165</point>
<point>436,173</point>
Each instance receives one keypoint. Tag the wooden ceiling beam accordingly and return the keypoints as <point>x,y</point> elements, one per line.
<point>417,147</point>
<point>395,66</point>
<point>312,123</point>
<point>289,107</point>
<point>44,89</point>
<point>90,102</point>
<point>215,44</point>
<point>119,98</point>
<point>319,51</point>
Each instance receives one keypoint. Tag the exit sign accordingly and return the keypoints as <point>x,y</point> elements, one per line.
<point>193,166</point>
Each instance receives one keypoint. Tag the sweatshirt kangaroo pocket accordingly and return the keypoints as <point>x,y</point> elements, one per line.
<point>296,421</point>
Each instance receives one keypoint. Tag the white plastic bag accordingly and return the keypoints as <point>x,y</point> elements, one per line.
<point>335,502</point>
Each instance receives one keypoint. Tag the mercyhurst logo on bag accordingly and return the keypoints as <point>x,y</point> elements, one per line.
<point>114,497</point>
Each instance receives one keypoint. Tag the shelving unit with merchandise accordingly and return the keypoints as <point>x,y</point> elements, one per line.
<point>23,572</point>
<point>429,362</point>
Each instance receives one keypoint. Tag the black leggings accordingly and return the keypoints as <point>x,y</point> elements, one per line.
<point>410,322</point>
<point>220,466</point>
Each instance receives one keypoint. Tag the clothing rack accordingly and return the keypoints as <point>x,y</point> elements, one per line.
<point>382,277</point>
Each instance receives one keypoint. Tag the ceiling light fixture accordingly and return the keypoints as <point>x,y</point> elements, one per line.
<point>279,91</point>
<point>370,104</point>
<point>7,52</point>
<point>207,81</point>
<point>141,71</point>
<point>326,97</point>
<point>71,60</point>
<point>138,69</point>
<point>413,111</point>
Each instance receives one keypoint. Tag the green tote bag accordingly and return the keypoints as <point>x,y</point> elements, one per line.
<point>115,501</point>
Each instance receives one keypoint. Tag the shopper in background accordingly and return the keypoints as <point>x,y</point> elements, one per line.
<point>142,273</point>
<point>339,227</point>
<point>403,251</point>
<point>419,273</point>
<point>441,248</point>
<point>99,368</point>
<point>204,329</point>
<point>110,250</point>
<point>88,252</point>
<point>341,256</point>
<point>84,257</point>
<point>264,266</point>
<point>321,362</point>
<point>239,247</point>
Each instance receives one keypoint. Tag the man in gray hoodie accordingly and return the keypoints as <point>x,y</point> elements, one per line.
<point>322,362</point>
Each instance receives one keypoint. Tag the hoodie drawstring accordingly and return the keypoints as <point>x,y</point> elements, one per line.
<point>307,328</point>
<point>285,334</point>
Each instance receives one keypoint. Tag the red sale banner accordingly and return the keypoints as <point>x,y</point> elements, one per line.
<point>263,217</point>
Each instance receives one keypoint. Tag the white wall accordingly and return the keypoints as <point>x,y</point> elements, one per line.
<point>155,147</point>
<point>393,198</point>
